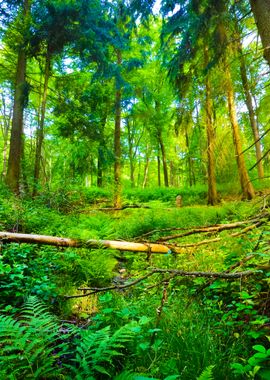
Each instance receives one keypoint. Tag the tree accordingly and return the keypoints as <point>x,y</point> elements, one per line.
<point>261,11</point>
<point>20,101</point>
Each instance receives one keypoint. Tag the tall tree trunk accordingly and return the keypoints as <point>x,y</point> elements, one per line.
<point>158,167</point>
<point>146,167</point>
<point>251,112</point>
<point>100,166</point>
<point>246,185</point>
<point>40,129</point>
<point>261,11</point>
<point>189,160</point>
<point>117,141</point>
<point>145,174</point>
<point>15,150</point>
<point>212,188</point>
<point>130,154</point>
<point>164,160</point>
<point>5,132</point>
<point>172,174</point>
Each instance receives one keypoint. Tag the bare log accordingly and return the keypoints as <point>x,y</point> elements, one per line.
<point>8,237</point>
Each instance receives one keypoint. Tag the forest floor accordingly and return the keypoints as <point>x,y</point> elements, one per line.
<point>146,315</point>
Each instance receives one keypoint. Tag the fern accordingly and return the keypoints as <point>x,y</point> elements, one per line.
<point>207,373</point>
<point>33,348</point>
<point>95,351</point>
<point>28,347</point>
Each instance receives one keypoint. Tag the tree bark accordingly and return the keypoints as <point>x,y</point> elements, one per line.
<point>40,129</point>
<point>246,185</point>
<point>261,11</point>
<point>212,188</point>
<point>164,160</point>
<point>146,169</point>
<point>158,167</point>
<point>100,166</point>
<point>130,154</point>
<point>117,141</point>
<point>5,132</point>
<point>8,237</point>
<point>249,104</point>
<point>15,150</point>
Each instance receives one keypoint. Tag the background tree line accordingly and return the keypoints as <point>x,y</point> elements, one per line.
<point>110,93</point>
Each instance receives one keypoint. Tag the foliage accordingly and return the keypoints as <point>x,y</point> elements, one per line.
<point>36,346</point>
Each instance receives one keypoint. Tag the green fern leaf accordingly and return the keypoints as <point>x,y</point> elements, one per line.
<point>207,373</point>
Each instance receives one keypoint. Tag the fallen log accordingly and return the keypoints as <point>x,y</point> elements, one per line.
<point>149,248</point>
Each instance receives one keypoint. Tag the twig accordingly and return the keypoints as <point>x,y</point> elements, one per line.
<point>174,272</point>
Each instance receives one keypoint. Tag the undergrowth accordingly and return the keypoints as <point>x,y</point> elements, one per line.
<point>215,330</point>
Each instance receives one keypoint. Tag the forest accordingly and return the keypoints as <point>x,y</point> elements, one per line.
<point>134,189</point>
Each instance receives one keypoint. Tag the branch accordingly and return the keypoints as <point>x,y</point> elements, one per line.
<point>211,229</point>
<point>174,272</point>
<point>264,155</point>
<point>255,142</point>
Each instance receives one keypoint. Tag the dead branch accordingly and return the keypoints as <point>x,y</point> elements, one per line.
<point>120,208</point>
<point>215,240</point>
<point>174,272</point>
<point>193,230</point>
<point>210,229</point>
<point>231,268</point>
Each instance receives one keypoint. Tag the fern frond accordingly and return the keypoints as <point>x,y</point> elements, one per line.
<point>30,347</point>
<point>95,351</point>
<point>207,373</point>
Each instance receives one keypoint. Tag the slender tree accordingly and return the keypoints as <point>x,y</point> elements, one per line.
<point>20,100</point>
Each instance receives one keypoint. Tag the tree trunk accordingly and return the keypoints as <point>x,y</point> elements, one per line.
<point>172,174</point>
<point>100,166</point>
<point>212,189</point>
<point>251,112</point>
<point>145,174</point>
<point>117,141</point>
<point>40,129</point>
<point>101,149</point>
<point>164,160</point>
<point>158,166</point>
<point>189,160</point>
<point>246,185</point>
<point>130,154</point>
<point>15,150</point>
<point>261,11</point>
<point>5,132</point>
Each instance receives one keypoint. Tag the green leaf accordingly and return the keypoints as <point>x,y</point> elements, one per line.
<point>260,348</point>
